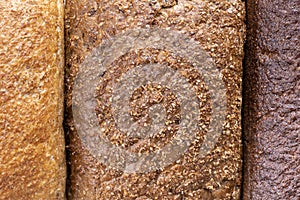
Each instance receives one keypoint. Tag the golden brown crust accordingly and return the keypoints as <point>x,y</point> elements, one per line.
<point>32,160</point>
<point>219,27</point>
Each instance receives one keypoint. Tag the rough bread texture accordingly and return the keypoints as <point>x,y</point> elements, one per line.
<point>272,100</point>
<point>218,26</point>
<point>32,159</point>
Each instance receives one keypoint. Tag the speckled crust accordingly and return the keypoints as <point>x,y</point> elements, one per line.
<point>32,160</point>
<point>272,100</point>
<point>218,25</point>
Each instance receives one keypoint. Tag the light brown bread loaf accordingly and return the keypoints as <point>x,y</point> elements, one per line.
<point>217,26</point>
<point>32,160</point>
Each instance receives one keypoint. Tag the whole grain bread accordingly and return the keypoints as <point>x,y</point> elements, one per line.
<point>218,26</point>
<point>271,100</point>
<point>32,159</point>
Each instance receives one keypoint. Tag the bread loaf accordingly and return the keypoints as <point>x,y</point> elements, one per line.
<point>215,26</point>
<point>32,159</point>
<point>271,100</point>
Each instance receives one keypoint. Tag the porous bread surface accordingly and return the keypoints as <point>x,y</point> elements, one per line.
<point>272,100</point>
<point>32,148</point>
<point>218,26</point>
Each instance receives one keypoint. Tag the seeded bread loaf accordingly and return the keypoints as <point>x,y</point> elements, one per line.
<point>272,100</point>
<point>215,25</point>
<point>32,159</point>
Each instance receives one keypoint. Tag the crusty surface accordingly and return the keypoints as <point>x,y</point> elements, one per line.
<point>218,25</point>
<point>32,160</point>
<point>272,100</point>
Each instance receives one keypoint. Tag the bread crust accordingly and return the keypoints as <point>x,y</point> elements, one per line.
<point>32,148</point>
<point>219,27</point>
<point>271,100</point>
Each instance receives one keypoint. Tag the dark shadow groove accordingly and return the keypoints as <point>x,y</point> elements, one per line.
<point>243,103</point>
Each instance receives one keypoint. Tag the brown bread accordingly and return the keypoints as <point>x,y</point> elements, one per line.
<point>218,27</point>
<point>32,159</point>
<point>272,100</point>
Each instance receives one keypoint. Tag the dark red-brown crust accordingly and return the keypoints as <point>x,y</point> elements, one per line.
<point>272,100</point>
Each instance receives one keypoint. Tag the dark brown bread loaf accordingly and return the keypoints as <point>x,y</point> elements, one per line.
<point>218,27</point>
<point>272,100</point>
<point>32,160</point>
